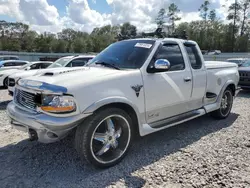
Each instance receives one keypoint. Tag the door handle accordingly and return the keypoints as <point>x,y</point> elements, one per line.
<point>188,79</point>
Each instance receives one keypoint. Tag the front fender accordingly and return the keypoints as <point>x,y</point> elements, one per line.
<point>229,82</point>
<point>112,100</point>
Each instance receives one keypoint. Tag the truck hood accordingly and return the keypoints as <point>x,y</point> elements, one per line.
<point>219,64</point>
<point>23,74</point>
<point>71,77</point>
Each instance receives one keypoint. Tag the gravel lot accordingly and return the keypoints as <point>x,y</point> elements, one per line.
<point>201,153</point>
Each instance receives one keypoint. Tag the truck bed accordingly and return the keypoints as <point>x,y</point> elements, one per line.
<point>218,73</point>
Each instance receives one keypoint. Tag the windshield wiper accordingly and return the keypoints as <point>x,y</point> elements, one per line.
<point>108,65</point>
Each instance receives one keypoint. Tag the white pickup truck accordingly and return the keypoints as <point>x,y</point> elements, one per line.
<point>136,86</point>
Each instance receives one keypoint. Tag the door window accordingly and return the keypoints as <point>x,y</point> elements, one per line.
<point>173,54</point>
<point>194,57</point>
<point>17,63</point>
<point>45,65</point>
<point>9,64</point>
<point>35,66</point>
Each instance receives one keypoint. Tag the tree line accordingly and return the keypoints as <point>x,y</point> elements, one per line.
<point>210,33</point>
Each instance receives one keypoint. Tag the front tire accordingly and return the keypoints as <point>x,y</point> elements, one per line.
<point>225,106</point>
<point>104,138</point>
<point>5,83</point>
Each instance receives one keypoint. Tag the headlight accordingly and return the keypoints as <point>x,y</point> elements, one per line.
<point>1,75</point>
<point>58,104</point>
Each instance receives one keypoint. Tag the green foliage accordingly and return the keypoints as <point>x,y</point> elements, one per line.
<point>173,14</point>
<point>161,18</point>
<point>210,33</point>
<point>204,8</point>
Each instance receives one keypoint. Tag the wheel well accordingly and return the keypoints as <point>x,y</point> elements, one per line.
<point>232,87</point>
<point>128,109</point>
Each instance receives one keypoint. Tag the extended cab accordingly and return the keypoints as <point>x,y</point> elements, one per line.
<point>133,86</point>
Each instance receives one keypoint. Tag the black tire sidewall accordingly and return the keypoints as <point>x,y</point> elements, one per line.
<point>4,82</point>
<point>85,130</point>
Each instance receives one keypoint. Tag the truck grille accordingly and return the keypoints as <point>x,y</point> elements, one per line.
<point>12,82</point>
<point>25,99</point>
<point>244,74</point>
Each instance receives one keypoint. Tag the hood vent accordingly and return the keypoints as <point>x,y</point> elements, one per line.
<point>49,74</point>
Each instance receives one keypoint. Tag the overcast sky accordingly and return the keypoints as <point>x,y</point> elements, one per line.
<point>84,15</point>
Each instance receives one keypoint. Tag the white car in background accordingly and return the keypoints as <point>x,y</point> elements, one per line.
<point>69,61</point>
<point>12,64</point>
<point>238,61</point>
<point>4,75</point>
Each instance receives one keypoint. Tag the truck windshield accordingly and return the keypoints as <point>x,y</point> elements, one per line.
<point>128,54</point>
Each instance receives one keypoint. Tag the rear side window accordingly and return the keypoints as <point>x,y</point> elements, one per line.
<point>9,64</point>
<point>173,54</point>
<point>19,63</point>
<point>194,56</point>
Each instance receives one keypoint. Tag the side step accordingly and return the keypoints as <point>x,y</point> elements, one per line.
<point>177,119</point>
<point>210,95</point>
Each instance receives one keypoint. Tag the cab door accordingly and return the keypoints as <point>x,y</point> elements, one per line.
<point>167,94</point>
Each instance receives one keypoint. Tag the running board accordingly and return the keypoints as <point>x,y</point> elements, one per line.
<point>166,123</point>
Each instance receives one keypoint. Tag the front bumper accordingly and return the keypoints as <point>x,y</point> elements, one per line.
<point>48,128</point>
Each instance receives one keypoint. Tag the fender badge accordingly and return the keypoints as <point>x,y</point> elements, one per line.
<point>137,89</point>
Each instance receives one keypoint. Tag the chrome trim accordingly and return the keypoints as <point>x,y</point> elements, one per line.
<point>41,87</point>
<point>43,123</point>
<point>162,64</point>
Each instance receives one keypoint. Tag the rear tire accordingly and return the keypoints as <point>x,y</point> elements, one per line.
<point>5,83</point>
<point>225,106</point>
<point>104,138</point>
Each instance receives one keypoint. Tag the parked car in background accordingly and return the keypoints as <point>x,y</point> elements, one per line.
<point>238,61</point>
<point>132,87</point>
<point>8,57</point>
<point>4,75</point>
<point>72,61</point>
<point>214,52</point>
<point>244,72</point>
<point>69,61</point>
<point>12,64</point>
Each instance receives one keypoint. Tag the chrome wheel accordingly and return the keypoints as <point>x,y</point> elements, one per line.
<point>226,103</point>
<point>110,139</point>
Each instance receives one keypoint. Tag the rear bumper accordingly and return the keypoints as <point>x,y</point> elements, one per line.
<point>48,128</point>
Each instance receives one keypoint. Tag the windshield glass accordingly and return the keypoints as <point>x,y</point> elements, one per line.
<point>129,54</point>
<point>246,64</point>
<point>62,62</point>
<point>25,66</point>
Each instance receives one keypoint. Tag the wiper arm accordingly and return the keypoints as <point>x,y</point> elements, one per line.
<point>108,65</point>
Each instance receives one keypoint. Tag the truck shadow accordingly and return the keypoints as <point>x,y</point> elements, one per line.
<point>4,104</point>
<point>31,164</point>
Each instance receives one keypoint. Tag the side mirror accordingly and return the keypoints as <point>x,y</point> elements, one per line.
<point>160,65</point>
